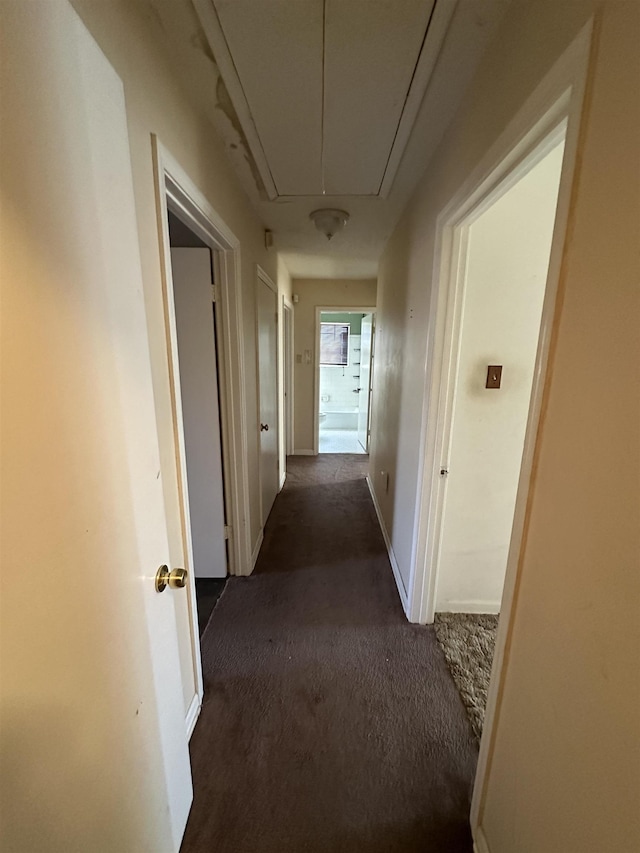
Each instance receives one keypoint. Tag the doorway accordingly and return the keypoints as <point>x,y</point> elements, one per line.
<point>267,372</point>
<point>501,279</point>
<point>505,273</point>
<point>192,268</point>
<point>345,351</point>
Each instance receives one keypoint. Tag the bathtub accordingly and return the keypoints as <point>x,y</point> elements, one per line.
<point>345,419</point>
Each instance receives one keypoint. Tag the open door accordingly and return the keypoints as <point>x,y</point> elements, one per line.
<point>198,393</point>
<point>366,375</point>
<point>94,747</point>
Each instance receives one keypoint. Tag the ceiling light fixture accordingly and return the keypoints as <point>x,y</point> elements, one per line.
<point>329,221</point>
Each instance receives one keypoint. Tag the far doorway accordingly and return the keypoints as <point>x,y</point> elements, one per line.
<point>345,352</point>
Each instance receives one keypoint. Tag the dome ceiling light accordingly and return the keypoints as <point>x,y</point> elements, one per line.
<point>329,221</point>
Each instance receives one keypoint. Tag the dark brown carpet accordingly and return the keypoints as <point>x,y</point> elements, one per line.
<point>330,724</point>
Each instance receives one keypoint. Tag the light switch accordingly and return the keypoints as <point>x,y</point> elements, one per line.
<point>307,356</point>
<point>494,376</point>
<point>299,358</point>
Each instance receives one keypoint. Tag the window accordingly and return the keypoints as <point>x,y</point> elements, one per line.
<point>334,344</point>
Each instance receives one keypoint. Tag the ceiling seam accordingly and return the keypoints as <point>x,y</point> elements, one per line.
<point>406,97</point>
<point>324,64</point>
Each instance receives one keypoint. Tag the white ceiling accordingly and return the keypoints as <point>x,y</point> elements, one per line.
<point>328,103</point>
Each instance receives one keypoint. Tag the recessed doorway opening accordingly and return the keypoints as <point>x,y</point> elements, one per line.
<point>344,358</point>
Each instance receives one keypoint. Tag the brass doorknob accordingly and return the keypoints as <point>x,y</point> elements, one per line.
<point>175,579</point>
<point>264,427</point>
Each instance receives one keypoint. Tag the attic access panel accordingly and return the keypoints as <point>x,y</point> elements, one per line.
<point>326,91</point>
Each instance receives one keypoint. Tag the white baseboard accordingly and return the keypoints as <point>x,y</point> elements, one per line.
<point>256,550</point>
<point>304,453</point>
<point>479,841</point>
<point>192,715</point>
<point>470,606</point>
<point>392,557</point>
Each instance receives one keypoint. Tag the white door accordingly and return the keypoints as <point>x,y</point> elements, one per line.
<point>364,394</point>
<point>267,377</point>
<point>94,745</point>
<point>198,380</point>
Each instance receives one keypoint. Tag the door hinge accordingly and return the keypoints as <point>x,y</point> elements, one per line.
<point>227,531</point>
<point>444,472</point>
<point>214,293</point>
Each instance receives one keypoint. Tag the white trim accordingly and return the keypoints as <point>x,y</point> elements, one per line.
<point>434,37</point>
<point>304,453</point>
<point>453,236</point>
<point>256,549</point>
<point>206,12</point>
<point>480,844</point>
<point>175,189</point>
<point>387,541</point>
<point>471,605</point>
<point>264,276</point>
<point>326,309</point>
<point>283,479</point>
<point>288,366</point>
<point>192,715</point>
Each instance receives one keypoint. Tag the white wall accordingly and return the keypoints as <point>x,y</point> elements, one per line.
<point>565,768</point>
<point>507,262</point>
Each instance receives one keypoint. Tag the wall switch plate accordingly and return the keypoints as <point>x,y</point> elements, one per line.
<point>299,358</point>
<point>494,376</point>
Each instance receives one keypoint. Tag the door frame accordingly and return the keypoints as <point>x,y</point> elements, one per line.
<point>176,192</point>
<point>287,356</point>
<point>555,104</point>
<point>332,309</point>
<point>370,388</point>
<point>262,276</point>
<point>455,241</point>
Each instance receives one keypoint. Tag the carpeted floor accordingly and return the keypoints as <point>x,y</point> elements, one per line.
<point>468,641</point>
<point>330,724</point>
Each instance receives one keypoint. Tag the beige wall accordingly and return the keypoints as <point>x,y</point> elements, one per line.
<point>354,293</point>
<point>129,36</point>
<point>565,777</point>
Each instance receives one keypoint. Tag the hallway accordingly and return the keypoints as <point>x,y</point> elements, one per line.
<point>329,722</point>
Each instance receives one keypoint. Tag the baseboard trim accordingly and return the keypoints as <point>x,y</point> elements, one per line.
<point>283,480</point>
<point>303,453</point>
<point>192,715</point>
<point>256,550</point>
<point>470,606</point>
<point>395,568</point>
<point>479,841</point>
